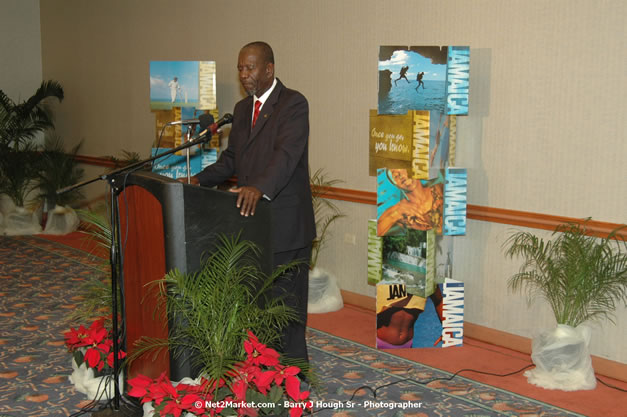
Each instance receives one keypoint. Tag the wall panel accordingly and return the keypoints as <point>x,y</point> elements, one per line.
<point>545,132</point>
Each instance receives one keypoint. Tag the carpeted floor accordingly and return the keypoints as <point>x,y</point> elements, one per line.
<point>38,280</point>
<point>404,388</point>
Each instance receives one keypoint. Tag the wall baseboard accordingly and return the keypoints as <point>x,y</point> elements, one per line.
<point>602,366</point>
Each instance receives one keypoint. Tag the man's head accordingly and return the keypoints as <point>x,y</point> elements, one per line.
<point>256,68</point>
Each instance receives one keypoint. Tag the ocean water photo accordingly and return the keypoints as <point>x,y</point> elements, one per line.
<point>412,78</point>
<point>404,96</point>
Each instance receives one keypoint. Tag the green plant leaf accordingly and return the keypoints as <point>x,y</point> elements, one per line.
<point>582,277</point>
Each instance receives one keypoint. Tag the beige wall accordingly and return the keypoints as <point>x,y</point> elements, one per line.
<point>545,131</point>
<point>20,48</point>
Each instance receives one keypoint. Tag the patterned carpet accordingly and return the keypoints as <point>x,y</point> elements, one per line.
<point>37,287</point>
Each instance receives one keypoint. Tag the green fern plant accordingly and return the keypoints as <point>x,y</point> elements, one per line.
<point>582,277</point>
<point>58,169</point>
<point>96,294</point>
<point>325,212</point>
<point>126,158</point>
<point>19,124</point>
<point>219,303</point>
<point>18,171</point>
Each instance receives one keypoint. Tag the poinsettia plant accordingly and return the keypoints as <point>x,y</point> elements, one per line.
<point>92,346</point>
<point>257,386</point>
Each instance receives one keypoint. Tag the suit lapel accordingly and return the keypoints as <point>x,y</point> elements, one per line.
<point>266,111</point>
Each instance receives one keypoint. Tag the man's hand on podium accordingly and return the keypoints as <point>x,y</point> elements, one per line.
<point>247,199</point>
<point>192,180</point>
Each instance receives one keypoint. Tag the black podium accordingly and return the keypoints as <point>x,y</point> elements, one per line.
<point>165,224</point>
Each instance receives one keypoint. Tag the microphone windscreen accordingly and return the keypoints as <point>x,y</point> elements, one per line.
<point>205,120</point>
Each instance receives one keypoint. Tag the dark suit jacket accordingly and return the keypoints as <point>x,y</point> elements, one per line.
<point>273,158</point>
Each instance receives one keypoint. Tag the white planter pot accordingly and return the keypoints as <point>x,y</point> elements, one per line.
<point>324,294</point>
<point>562,359</point>
<point>95,387</point>
<point>61,221</point>
<point>21,222</point>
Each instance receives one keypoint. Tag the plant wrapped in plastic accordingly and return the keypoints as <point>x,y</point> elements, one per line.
<point>581,276</point>
<point>228,296</point>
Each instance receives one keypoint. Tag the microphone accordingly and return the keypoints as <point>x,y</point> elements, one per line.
<point>185,122</point>
<point>212,128</point>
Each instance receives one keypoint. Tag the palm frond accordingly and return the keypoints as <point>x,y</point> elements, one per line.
<point>127,158</point>
<point>20,122</point>
<point>325,212</point>
<point>581,277</point>
<point>18,170</point>
<point>58,169</point>
<point>97,227</point>
<point>218,304</point>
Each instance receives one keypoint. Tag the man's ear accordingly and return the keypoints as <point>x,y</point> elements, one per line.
<point>270,69</point>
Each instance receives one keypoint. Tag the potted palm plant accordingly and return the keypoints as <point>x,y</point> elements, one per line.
<point>324,293</point>
<point>58,169</point>
<point>582,278</point>
<point>20,123</point>
<point>222,304</point>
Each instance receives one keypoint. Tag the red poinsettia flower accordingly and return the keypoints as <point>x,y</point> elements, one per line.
<point>239,388</point>
<point>160,390</point>
<point>258,353</point>
<point>172,407</point>
<point>139,386</point>
<point>298,410</point>
<point>292,387</point>
<point>264,380</point>
<point>75,338</point>
<point>285,372</point>
<point>93,357</point>
<point>121,355</point>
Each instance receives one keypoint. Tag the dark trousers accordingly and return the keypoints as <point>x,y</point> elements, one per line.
<point>294,286</point>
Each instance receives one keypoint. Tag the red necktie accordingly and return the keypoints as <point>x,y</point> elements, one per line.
<point>256,113</point>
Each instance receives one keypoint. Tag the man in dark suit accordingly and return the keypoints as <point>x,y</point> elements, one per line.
<point>268,152</point>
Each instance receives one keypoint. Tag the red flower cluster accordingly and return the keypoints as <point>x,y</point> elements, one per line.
<point>169,400</point>
<point>97,344</point>
<point>260,372</point>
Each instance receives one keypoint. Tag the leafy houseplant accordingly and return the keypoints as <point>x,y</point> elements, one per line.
<point>58,169</point>
<point>96,294</point>
<point>582,278</point>
<point>324,293</point>
<point>92,364</point>
<point>219,304</point>
<point>97,343</point>
<point>18,171</point>
<point>19,124</point>
<point>257,386</point>
<point>325,212</point>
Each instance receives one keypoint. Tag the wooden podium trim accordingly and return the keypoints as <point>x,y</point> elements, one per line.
<point>143,251</point>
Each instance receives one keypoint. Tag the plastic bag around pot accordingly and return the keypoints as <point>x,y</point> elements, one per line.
<point>324,294</point>
<point>562,359</point>
<point>61,221</point>
<point>21,222</point>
